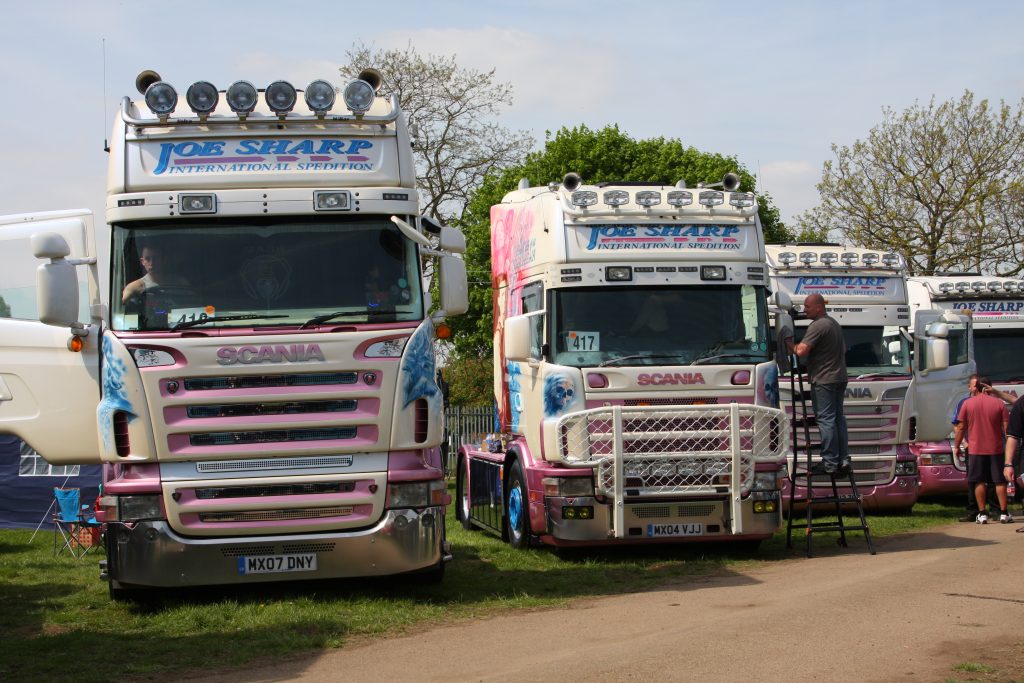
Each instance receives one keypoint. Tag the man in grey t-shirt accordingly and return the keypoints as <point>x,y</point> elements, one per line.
<point>824,348</point>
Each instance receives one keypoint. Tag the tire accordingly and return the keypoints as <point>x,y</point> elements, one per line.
<point>462,494</point>
<point>517,515</point>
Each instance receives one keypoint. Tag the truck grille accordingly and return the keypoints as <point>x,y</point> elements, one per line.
<point>271,436</point>
<point>227,492</point>
<point>275,515</point>
<point>329,461</point>
<point>254,409</point>
<point>308,379</point>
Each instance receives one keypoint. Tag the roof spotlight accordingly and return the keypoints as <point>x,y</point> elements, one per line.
<point>963,287</point>
<point>890,259</point>
<point>648,198</point>
<point>1011,286</point>
<point>616,197</point>
<point>995,286</point>
<point>679,198</point>
<point>359,96</point>
<point>849,257</point>
<point>241,97</point>
<point>978,286</point>
<point>161,98</point>
<point>829,257</point>
<point>808,257</point>
<point>787,258</point>
<point>319,96</point>
<point>869,259</point>
<point>946,287</point>
<point>280,96</point>
<point>202,98</point>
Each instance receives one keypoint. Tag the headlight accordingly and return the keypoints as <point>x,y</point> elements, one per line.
<point>936,459</point>
<point>766,481</point>
<point>241,97</point>
<point>137,508</point>
<point>905,468</point>
<point>161,98</point>
<point>319,96</point>
<point>358,96</point>
<point>280,97</point>
<point>416,494</point>
<point>894,394</point>
<point>568,487</point>
<point>202,97</point>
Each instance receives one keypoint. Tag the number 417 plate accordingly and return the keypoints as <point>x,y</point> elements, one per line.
<point>662,530</point>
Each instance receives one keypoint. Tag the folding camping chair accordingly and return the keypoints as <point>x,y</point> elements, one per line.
<point>69,519</point>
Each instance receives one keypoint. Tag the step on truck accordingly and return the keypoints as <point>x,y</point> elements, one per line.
<point>996,305</point>
<point>260,383</point>
<point>637,393</point>
<point>895,396</point>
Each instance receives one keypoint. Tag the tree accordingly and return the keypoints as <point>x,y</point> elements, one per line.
<point>602,155</point>
<point>941,184</point>
<point>5,308</point>
<point>451,112</point>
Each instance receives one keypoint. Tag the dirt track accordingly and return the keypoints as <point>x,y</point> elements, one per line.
<point>924,603</point>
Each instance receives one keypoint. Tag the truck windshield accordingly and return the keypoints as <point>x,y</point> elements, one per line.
<point>998,353</point>
<point>873,350</point>
<point>629,326</point>
<point>217,272</point>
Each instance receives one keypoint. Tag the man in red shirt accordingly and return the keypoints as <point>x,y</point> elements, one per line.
<point>984,416</point>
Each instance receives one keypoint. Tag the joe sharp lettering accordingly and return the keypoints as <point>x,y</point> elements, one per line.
<point>215,153</point>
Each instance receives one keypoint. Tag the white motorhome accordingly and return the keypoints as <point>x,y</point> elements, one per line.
<point>891,401</point>
<point>996,305</point>
<point>260,384</point>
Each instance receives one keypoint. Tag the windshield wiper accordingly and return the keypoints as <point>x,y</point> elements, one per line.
<point>890,373</point>
<point>316,320</point>
<point>639,355</point>
<point>717,356</point>
<point>216,319</point>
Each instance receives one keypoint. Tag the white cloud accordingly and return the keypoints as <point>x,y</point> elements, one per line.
<point>791,184</point>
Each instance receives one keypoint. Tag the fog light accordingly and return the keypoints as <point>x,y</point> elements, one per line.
<point>202,98</point>
<point>197,203</point>
<point>331,201</point>
<point>618,273</point>
<point>359,96</point>
<point>616,197</point>
<point>584,198</point>
<point>679,198</point>
<point>319,96</point>
<point>712,272</point>
<point>161,98</point>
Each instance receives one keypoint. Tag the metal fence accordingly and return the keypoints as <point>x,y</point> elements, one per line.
<point>465,424</point>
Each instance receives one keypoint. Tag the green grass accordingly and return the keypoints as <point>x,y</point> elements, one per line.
<point>56,611</point>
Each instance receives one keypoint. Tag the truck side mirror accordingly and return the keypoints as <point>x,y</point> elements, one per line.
<point>56,281</point>
<point>452,240</point>
<point>936,354</point>
<point>938,330</point>
<point>782,301</point>
<point>454,287</point>
<point>517,338</point>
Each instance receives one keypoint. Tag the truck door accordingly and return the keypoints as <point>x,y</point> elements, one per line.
<point>48,393</point>
<point>937,392</point>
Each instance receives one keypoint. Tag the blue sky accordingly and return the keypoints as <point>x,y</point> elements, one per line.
<point>773,83</point>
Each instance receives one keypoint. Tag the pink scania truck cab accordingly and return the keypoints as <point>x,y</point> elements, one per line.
<point>894,398</point>
<point>260,383</point>
<point>636,388</point>
<point>996,306</point>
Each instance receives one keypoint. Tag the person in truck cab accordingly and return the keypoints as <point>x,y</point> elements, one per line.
<point>157,274</point>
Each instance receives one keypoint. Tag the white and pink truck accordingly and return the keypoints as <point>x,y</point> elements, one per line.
<point>260,385</point>
<point>636,388</point>
<point>996,305</point>
<point>895,397</point>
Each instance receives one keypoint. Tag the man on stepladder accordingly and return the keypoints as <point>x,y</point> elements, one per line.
<point>824,349</point>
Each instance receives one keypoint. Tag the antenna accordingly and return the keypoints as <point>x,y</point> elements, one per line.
<point>106,147</point>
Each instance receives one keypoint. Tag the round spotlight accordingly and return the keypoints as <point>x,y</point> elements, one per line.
<point>202,97</point>
<point>319,96</point>
<point>358,95</point>
<point>280,97</point>
<point>161,98</point>
<point>241,97</point>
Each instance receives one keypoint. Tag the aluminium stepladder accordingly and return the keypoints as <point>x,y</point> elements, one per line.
<point>801,421</point>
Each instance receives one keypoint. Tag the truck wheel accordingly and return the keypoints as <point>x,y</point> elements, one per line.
<point>517,515</point>
<point>462,494</point>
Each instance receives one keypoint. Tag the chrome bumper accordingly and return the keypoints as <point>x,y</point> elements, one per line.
<point>152,554</point>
